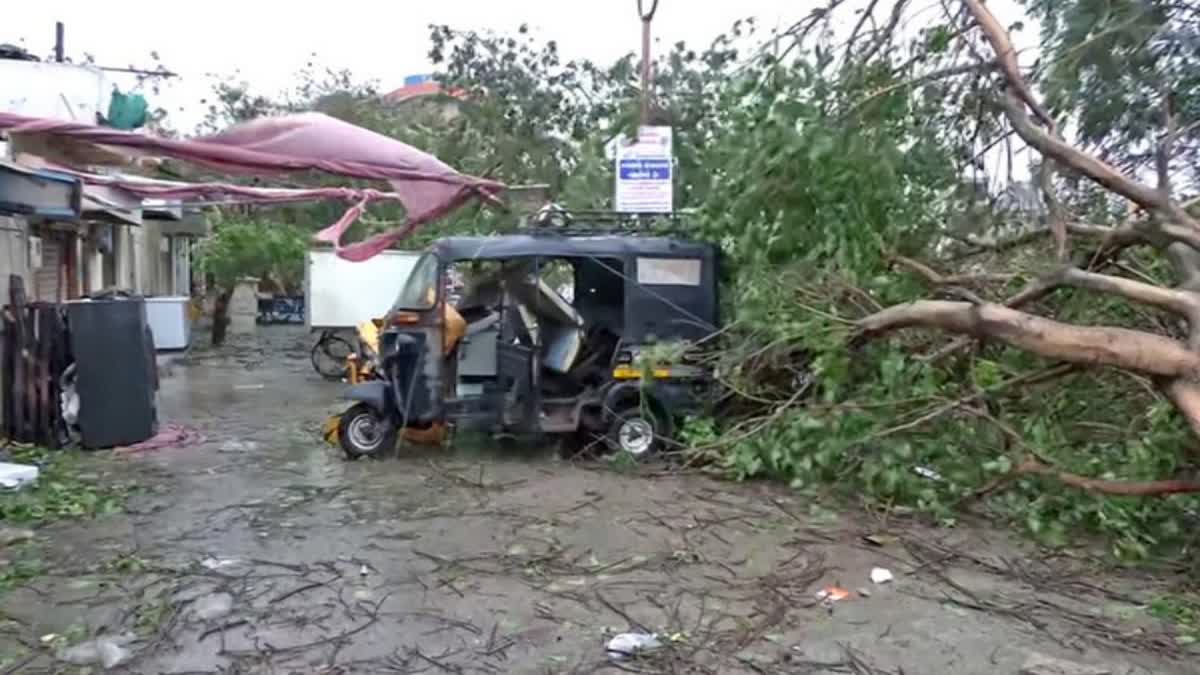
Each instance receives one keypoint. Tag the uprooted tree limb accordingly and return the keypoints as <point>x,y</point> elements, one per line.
<point>1170,230</point>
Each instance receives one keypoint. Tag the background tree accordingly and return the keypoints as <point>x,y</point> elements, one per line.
<point>243,248</point>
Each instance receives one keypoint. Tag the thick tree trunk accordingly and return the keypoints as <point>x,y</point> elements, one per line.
<point>220,325</point>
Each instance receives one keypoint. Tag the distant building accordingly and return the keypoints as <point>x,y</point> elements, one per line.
<point>424,93</point>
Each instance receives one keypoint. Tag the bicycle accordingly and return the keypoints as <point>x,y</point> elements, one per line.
<point>329,355</point>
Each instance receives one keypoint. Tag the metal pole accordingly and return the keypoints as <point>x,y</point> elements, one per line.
<point>646,17</point>
<point>58,41</point>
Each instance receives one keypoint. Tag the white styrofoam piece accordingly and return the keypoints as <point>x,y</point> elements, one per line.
<point>342,294</point>
<point>16,475</point>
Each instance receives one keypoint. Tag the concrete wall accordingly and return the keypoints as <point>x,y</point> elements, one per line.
<point>14,259</point>
<point>243,308</point>
<point>148,257</point>
<point>56,90</point>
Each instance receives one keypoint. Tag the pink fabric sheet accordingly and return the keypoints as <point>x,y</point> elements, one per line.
<point>428,188</point>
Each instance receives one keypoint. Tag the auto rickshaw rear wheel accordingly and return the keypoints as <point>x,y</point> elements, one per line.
<point>363,432</point>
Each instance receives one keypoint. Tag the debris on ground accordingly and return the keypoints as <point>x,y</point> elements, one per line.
<point>881,575</point>
<point>238,446</point>
<point>626,645</point>
<point>108,652</point>
<point>212,606</point>
<point>464,579</point>
<point>880,540</point>
<point>833,594</point>
<point>16,475</point>
<point>170,435</point>
<point>1040,664</point>
<point>219,563</point>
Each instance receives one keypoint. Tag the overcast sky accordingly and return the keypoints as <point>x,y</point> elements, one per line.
<point>267,41</point>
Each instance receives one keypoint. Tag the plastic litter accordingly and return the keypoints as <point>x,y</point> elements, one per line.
<point>212,606</point>
<point>926,472</point>
<point>626,645</point>
<point>16,475</point>
<point>880,575</point>
<point>832,594</point>
<point>219,563</point>
<point>108,652</point>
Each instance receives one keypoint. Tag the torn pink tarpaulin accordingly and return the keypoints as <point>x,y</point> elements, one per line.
<point>428,188</point>
<point>171,435</point>
<point>150,188</point>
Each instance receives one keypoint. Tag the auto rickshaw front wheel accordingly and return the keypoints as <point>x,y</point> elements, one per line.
<point>637,431</point>
<point>363,432</point>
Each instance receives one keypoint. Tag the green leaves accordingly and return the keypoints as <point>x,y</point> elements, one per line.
<point>62,491</point>
<point>253,248</point>
<point>937,39</point>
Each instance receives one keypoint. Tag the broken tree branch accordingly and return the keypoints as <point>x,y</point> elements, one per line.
<point>1185,394</point>
<point>1109,487</point>
<point>944,73</point>
<point>1086,345</point>
<point>1058,219</point>
<point>1162,154</point>
<point>1035,465</point>
<point>1095,169</point>
<point>937,279</point>
<point>1179,302</point>
<point>1007,57</point>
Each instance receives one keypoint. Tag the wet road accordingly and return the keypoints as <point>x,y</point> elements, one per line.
<point>262,551</point>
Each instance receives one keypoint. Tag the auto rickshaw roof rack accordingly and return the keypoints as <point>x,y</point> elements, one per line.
<point>553,219</point>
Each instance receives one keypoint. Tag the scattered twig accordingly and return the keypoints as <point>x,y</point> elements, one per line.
<point>222,628</point>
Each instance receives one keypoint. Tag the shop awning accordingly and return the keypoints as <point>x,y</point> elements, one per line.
<point>111,205</point>
<point>44,194</point>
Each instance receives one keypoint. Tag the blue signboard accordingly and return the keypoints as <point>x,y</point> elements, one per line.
<point>644,172</point>
<point>645,169</point>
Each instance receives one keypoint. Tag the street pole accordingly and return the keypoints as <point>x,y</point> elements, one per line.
<point>58,41</point>
<point>646,17</point>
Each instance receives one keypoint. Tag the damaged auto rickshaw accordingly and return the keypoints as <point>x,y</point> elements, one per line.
<point>514,356</point>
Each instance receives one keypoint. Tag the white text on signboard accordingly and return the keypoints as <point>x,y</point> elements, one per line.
<point>644,172</point>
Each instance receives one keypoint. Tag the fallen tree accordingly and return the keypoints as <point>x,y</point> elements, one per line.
<point>1032,345</point>
<point>1170,230</point>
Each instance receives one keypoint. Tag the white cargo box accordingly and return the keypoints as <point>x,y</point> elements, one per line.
<point>343,294</point>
